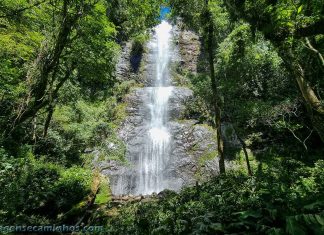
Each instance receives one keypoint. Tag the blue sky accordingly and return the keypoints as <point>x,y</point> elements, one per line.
<point>163,11</point>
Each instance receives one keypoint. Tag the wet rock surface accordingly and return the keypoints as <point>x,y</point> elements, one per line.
<point>190,142</point>
<point>119,200</point>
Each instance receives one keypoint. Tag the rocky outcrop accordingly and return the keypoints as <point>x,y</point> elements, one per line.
<point>131,66</point>
<point>189,45</point>
<point>119,200</point>
<point>190,142</point>
<point>193,155</point>
<point>123,68</point>
<point>180,96</point>
<point>188,48</point>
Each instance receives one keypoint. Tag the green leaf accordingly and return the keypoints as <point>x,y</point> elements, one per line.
<point>309,219</point>
<point>300,9</point>
<point>275,231</point>
<point>293,227</point>
<point>320,219</point>
<point>246,214</point>
<point>217,227</point>
<point>315,205</point>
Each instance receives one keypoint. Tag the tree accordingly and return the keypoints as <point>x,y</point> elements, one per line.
<point>290,26</point>
<point>43,84</point>
<point>209,32</point>
<point>133,17</point>
<point>200,18</point>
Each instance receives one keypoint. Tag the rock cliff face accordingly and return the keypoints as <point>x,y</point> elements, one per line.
<point>130,67</point>
<point>189,49</point>
<point>193,148</point>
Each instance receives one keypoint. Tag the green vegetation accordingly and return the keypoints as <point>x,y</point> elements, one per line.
<point>60,99</point>
<point>104,193</point>
<point>261,69</point>
<point>264,79</point>
<point>274,201</point>
<point>37,191</point>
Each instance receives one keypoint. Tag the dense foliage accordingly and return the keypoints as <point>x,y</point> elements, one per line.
<point>261,69</point>
<point>274,201</point>
<point>58,97</point>
<point>260,92</point>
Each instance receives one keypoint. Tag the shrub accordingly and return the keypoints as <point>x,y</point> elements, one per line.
<point>37,191</point>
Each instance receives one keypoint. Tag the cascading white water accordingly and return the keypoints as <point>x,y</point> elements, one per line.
<point>155,156</point>
<point>161,152</point>
<point>149,153</point>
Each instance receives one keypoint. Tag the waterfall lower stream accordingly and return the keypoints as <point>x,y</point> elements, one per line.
<point>149,173</point>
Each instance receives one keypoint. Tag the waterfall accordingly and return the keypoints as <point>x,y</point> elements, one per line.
<point>155,155</point>
<point>162,152</point>
<point>148,173</point>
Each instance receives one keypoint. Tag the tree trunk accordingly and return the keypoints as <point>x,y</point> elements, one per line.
<point>313,103</point>
<point>216,103</point>
<point>246,155</point>
<point>315,108</point>
<point>54,98</point>
<point>46,64</point>
<point>48,119</point>
<point>32,111</point>
<point>34,129</point>
<point>249,169</point>
<point>307,92</point>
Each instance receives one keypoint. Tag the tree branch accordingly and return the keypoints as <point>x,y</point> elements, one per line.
<point>309,46</point>
<point>303,142</point>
